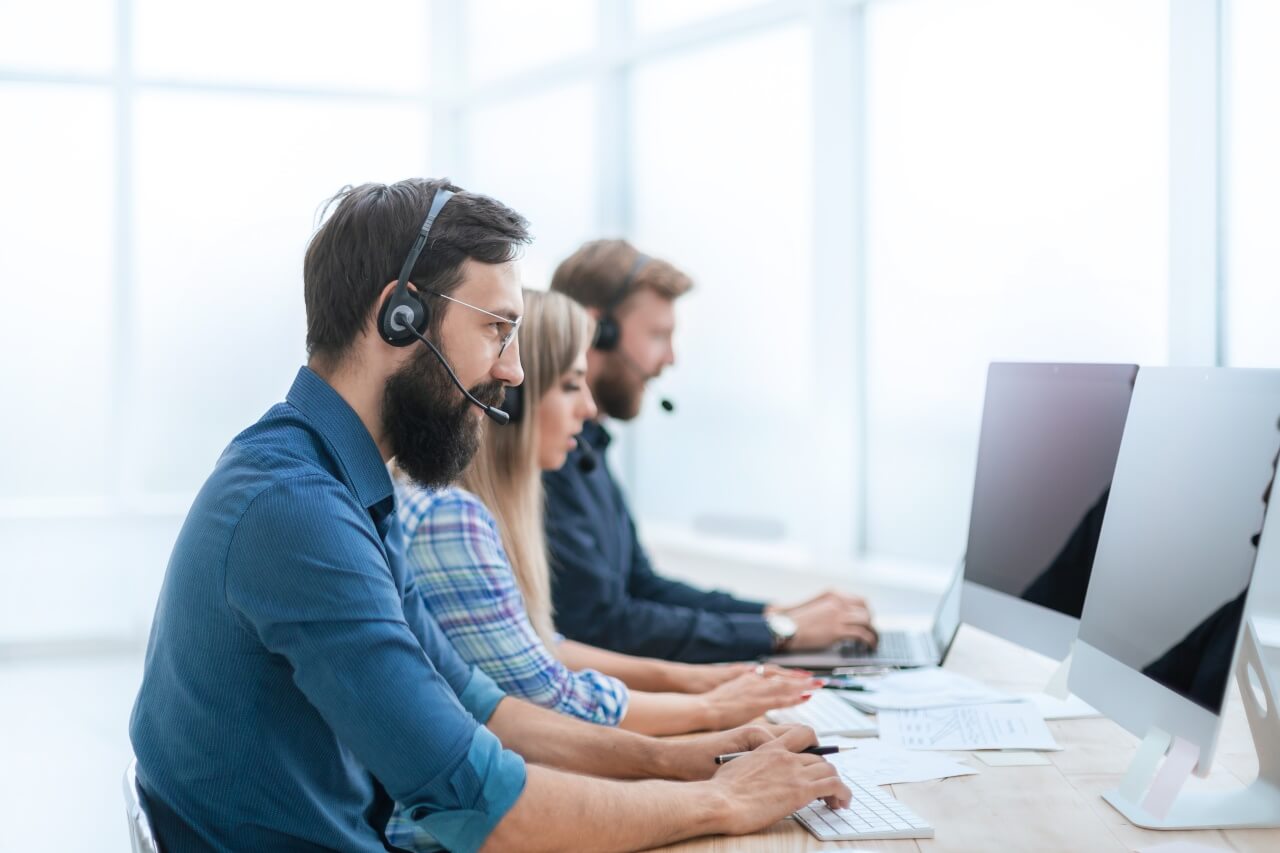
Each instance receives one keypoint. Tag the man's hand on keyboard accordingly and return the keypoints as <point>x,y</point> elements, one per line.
<point>775,780</point>
<point>692,759</point>
<point>829,618</point>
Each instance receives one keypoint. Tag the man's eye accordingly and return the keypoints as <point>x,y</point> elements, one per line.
<point>570,387</point>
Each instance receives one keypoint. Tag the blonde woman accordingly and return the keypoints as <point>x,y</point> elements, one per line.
<point>478,557</point>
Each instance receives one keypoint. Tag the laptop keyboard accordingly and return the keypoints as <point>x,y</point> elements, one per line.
<point>893,646</point>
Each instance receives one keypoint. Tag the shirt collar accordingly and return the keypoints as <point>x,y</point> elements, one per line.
<point>344,432</point>
<point>596,435</point>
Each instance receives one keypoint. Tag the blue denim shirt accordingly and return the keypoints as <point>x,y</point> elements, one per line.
<point>294,685</point>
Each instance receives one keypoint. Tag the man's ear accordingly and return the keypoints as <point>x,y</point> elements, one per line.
<point>596,313</point>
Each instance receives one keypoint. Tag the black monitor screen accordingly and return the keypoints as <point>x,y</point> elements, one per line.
<point>1046,456</point>
<point>1183,526</point>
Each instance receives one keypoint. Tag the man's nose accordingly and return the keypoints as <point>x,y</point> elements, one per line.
<point>507,369</point>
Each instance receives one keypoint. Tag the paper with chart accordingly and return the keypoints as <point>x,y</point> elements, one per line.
<point>889,765</point>
<point>927,687</point>
<point>1003,725</point>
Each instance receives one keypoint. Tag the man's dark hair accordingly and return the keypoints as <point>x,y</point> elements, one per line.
<point>362,244</point>
<point>595,273</point>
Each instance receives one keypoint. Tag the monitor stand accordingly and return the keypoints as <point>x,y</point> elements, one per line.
<point>1256,805</point>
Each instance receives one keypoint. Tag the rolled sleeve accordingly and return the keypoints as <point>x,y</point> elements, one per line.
<point>481,696</point>
<point>486,786</point>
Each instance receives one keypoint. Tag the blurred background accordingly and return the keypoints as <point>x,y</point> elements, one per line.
<point>875,199</point>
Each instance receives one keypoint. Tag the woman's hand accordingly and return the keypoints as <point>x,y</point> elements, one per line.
<point>749,694</point>
<point>701,678</point>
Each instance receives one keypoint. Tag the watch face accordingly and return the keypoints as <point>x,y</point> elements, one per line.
<point>782,625</point>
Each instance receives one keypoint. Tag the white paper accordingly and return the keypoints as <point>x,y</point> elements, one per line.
<point>923,688</point>
<point>1052,708</point>
<point>1004,725</point>
<point>1011,757</point>
<point>888,765</point>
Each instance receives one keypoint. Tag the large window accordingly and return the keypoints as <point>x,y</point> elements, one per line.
<point>1253,185</point>
<point>538,155</point>
<point>725,193</point>
<point>157,206</point>
<point>1017,210</point>
<point>875,200</point>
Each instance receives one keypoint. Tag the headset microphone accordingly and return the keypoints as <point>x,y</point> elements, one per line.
<point>586,457</point>
<point>498,415</point>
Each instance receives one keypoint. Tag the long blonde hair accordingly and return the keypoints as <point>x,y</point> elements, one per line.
<point>504,473</point>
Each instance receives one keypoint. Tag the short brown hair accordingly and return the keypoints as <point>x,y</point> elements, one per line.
<point>361,246</point>
<point>594,275</point>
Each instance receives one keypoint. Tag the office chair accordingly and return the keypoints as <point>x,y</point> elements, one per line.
<point>140,834</point>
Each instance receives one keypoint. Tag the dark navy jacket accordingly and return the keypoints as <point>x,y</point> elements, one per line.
<point>605,591</point>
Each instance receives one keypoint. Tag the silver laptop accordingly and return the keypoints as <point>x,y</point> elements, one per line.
<point>896,648</point>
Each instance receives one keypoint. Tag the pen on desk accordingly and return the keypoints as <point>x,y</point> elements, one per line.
<point>813,750</point>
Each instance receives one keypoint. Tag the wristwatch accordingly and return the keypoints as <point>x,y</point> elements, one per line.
<point>782,627</point>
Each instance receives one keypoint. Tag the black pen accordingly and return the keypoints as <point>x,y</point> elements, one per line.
<point>813,750</point>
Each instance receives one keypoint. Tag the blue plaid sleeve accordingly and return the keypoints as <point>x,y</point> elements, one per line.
<point>462,573</point>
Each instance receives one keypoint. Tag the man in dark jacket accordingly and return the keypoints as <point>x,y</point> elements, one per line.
<point>605,590</point>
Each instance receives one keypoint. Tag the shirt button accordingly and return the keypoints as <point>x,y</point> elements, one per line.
<point>419,813</point>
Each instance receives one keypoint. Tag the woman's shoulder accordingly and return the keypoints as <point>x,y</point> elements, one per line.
<point>426,510</point>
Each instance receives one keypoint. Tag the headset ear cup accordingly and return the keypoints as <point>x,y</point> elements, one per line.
<point>513,402</point>
<point>607,334</point>
<point>400,300</point>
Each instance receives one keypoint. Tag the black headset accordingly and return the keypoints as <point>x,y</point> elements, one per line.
<point>404,317</point>
<point>404,312</point>
<point>608,332</point>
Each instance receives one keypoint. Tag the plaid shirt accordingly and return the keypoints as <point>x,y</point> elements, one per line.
<point>461,571</point>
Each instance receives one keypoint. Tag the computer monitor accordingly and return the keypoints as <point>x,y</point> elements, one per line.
<point>1161,622</point>
<point>1046,454</point>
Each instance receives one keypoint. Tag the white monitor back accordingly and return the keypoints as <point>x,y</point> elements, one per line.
<point>1047,451</point>
<point>1161,621</point>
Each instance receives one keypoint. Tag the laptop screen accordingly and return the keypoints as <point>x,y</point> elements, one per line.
<point>1046,456</point>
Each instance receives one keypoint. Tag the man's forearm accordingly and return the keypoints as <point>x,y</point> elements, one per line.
<point>560,811</point>
<point>545,737</point>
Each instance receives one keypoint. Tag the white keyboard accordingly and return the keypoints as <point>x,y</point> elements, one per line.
<point>873,814</point>
<point>827,714</point>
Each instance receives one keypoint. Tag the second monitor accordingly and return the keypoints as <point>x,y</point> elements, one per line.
<point>1046,457</point>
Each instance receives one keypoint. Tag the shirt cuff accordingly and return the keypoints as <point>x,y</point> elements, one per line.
<point>501,776</point>
<point>481,696</point>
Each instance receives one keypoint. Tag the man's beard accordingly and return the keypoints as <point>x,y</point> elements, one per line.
<point>430,426</point>
<point>618,390</point>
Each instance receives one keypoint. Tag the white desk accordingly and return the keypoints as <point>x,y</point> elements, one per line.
<point>1055,807</point>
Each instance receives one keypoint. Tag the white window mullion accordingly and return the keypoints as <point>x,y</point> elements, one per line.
<point>839,275</point>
